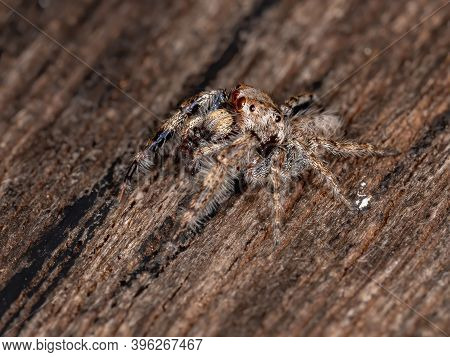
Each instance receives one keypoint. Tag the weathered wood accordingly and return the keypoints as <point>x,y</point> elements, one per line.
<point>74,262</point>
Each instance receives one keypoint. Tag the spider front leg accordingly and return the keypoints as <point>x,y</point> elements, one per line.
<point>257,171</point>
<point>314,162</point>
<point>349,148</point>
<point>271,169</point>
<point>277,209</point>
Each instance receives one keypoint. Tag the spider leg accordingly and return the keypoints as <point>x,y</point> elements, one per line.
<point>258,170</point>
<point>218,181</point>
<point>207,135</point>
<point>144,159</point>
<point>314,162</point>
<point>277,209</point>
<point>208,149</point>
<point>200,104</point>
<point>349,148</point>
<point>201,157</point>
<point>300,104</point>
<point>217,129</point>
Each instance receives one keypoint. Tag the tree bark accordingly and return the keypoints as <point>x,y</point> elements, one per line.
<point>76,262</point>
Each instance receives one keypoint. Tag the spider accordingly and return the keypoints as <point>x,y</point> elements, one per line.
<point>243,133</point>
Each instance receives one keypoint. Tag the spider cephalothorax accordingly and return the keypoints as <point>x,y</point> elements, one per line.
<point>243,133</point>
<point>258,114</point>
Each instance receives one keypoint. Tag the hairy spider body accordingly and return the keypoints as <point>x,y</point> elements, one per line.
<point>242,132</point>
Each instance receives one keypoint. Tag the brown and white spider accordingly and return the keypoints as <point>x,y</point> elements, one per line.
<point>243,133</point>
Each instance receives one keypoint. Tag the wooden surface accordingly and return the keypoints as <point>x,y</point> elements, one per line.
<point>75,262</point>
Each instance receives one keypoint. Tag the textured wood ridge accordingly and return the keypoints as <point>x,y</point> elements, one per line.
<point>75,262</point>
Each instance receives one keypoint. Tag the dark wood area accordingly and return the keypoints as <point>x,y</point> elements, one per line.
<point>73,261</point>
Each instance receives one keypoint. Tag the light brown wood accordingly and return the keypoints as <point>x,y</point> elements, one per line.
<point>75,262</point>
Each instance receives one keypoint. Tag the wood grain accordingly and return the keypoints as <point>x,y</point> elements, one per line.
<point>75,262</point>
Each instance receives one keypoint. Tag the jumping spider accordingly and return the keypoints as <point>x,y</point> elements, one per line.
<point>243,133</point>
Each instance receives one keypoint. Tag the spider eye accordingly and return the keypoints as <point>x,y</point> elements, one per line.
<point>240,102</point>
<point>278,118</point>
<point>252,108</point>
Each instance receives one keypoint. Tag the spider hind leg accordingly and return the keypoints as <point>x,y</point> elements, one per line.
<point>200,104</point>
